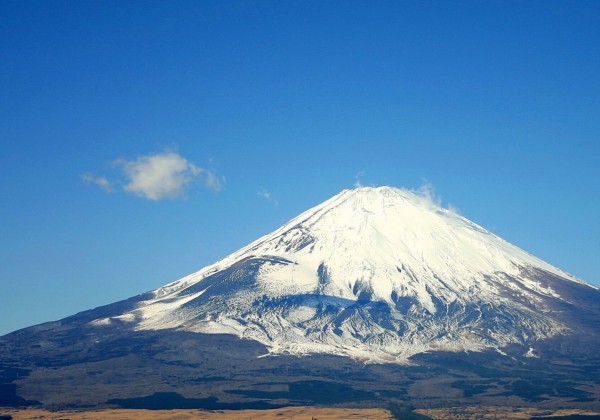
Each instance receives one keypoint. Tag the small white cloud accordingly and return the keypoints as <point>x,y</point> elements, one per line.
<point>100,181</point>
<point>158,176</point>
<point>265,194</point>
<point>268,197</point>
<point>163,175</point>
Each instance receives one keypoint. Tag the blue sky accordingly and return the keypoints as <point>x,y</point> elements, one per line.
<point>143,140</point>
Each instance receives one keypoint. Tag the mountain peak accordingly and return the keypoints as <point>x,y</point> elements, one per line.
<point>374,198</point>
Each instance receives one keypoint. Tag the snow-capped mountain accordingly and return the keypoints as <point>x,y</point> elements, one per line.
<point>450,313</point>
<point>377,274</point>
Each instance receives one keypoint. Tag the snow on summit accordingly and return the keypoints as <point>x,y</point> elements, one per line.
<point>373,273</point>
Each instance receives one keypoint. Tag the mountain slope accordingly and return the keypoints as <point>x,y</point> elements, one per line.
<point>373,273</point>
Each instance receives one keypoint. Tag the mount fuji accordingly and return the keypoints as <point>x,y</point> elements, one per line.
<point>378,280</point>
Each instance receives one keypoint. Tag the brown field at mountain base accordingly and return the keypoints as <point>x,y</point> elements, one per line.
<point>304,413</point>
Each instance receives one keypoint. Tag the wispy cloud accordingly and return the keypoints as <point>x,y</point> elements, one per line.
<point>159,176</point>
<point>453,209</point>
<point>429,196</point>
<point>211,180</point>
<point>427,190</point>
<point>100,181</point>
<point>268,197</point>
<point>357,179</point>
